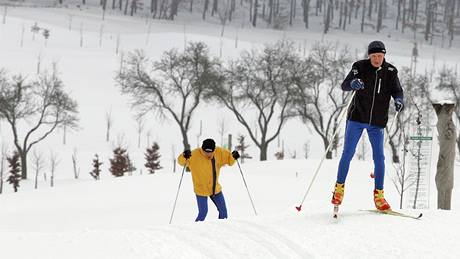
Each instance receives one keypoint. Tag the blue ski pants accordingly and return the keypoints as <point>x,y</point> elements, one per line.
<point>353,133</point>
<point>217,199</point>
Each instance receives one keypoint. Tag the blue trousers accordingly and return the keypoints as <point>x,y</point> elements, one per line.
<point>217,199</point>
<point>353,133</point>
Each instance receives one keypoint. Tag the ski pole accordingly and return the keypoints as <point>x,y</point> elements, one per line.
<point>247,189</point>
<point>391,127</point>
<point>177,194</point>
<point>341,116</point>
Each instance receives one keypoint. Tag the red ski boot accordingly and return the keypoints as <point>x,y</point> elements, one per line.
<point>337,195</point>
<point>379,200</point>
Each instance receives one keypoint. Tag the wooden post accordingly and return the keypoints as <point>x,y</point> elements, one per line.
<point>445,167</point>
<point>229,141</point>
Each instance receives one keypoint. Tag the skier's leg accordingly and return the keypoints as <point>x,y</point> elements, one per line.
<point>376,138</point>
<point>202,202</point>
<point>353,133</point>
<point>219,201</point>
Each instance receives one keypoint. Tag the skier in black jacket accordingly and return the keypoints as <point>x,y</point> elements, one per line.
<point>375,82</point>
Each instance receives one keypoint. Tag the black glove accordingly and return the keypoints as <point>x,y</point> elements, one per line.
<point>235,154</point>
<point>187,154</point>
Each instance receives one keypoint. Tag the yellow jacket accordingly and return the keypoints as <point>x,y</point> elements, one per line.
<point>201,168</point>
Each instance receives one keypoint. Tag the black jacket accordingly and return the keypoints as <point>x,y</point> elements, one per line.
<point>370,105</point>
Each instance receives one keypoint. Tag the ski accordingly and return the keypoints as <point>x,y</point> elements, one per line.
<point>395,213</point>
<point>336,211</point>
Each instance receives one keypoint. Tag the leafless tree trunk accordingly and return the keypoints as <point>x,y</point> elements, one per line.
<point>53,164</point>
<point>126,7</point>
<point>369,12</point>
<point>104,7</point>
<point>328,16</point>
<point>2,164</point>
<point>76,169</point>
<point>173,10</point>
<point>214,7</point>
<point>154,7</point>
<point>140,127</point>
<point>205,9</point>
<point>108,124</point>
<point>306,12</point>
<point>222,131</point>
<point>254,16</point>
<point>429,19</point>
<point>445,167</point>
<point>379,16</point>
<point>38,164</point>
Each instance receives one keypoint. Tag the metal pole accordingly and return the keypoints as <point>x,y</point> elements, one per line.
<point>247,189</point>
<point>177,194</point>
<point>341,116</point>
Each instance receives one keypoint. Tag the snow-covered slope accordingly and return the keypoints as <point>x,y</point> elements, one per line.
<point>128,217</point>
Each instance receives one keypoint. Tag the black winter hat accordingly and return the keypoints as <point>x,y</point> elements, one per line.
<point>208,145</point>
<point>376,47</point>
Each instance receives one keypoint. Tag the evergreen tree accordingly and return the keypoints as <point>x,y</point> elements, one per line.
<point>152,157</point>
<point>119,164</point>
<point>96,168</point>
<point>15,171</point>
<point>242,147</point>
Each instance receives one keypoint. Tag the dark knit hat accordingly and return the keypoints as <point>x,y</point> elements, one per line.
<point>376,47</point>
<point>208,145</point>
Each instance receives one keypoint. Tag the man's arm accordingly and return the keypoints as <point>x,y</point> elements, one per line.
<point>397,91</point>
<point>353,74</point>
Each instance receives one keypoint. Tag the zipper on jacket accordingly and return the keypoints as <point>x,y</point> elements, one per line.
<point>380,84</point>
<point>373,95</point>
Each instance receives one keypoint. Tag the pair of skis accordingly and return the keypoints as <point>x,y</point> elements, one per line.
<point>385,212</point>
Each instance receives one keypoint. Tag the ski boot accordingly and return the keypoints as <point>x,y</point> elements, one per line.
<point>337,195</point>
<point>379,200</point>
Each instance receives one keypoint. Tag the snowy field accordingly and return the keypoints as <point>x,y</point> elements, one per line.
<point>128,217</point>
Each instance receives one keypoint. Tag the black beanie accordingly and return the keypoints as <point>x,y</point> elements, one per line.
<point>208,145</point>
<point>376,47</point>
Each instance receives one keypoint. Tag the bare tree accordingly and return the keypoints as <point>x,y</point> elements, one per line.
<point>3,153</point>
<point>54,161</point>
<point>108,124</point>
<point>38,164</point>
<point>324,69</point>
<point>449,82</point>
<point>76,168</point>
<point>306,12</point>
<point>242,147</point>
<point>140,124</point>
<point>222,131</point>
<point>156,86</point>
<point>43,104</point>
<point>261,81</point>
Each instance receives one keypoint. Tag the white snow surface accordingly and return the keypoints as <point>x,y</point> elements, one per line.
<point>128,217</point>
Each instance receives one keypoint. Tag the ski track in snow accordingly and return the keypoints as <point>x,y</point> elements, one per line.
<point>283,240</point>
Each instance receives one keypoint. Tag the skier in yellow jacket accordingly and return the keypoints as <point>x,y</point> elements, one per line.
<point>204,164</point>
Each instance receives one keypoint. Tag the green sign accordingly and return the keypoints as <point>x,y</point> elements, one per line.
<point>420,138</point>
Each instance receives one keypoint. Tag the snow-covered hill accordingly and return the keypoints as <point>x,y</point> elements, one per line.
<point>128,217</point>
